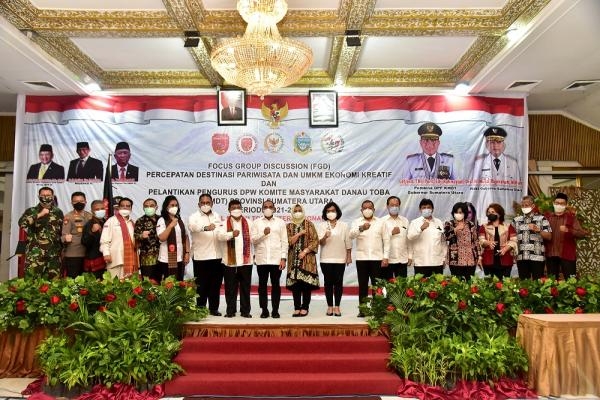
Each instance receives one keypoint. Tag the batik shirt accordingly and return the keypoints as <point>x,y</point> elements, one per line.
<point>530,244</point>
<point>148,247</point>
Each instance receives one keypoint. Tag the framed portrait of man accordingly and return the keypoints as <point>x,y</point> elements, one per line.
<point>231,107</point>
<point>323,108</point>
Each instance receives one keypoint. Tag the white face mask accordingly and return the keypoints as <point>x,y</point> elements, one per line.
<point>236,213</point>
<point>100,213</point>
<point>559,208</point>
<point>426,212</point>
<point>205,209</point>
<point>367,213</point>
<point>268,212</point>
<point>124,212</point>
<point>393,210</point>
<point>298,215</point>
<point>526,210</point>
<point>173,210</point>
<point>331,216</point>
<point>459,216</point>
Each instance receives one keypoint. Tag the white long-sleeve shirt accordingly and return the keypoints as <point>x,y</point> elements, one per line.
<point>334,249</point>
<point>399,243</point>
<point>205,245</point>
<point>428,246</point>
<point>163,250</point>
<point>111,240</point>
<point>272,248</point>
<point>223,236</point>
<point>373,243</point>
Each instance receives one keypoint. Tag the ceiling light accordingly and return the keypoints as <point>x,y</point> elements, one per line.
<point>462,89</point>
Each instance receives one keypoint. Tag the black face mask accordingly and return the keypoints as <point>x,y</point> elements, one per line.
<point>79,206</point>
<point>45,200</point>
<point>492,217</point>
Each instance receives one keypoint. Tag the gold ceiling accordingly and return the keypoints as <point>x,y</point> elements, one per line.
<point>53,29</point>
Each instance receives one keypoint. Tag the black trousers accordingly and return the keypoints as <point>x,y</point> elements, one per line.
<point>530,269</point>
<point>366,270</point>
<point>264,271</point>
<point>163,270</point>
<point>393,271</point>
<point>333,277</point>
<point>152,272</point>
<point>73,266</point>
<point>463,272</point>
<point>499,272</point>
<point>208,275</point>
<point>429,270</point>
<point>237,279</point>
<point>556,265</point>
<point>302,293</point>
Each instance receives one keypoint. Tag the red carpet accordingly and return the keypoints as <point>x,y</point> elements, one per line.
<point>284,366</point>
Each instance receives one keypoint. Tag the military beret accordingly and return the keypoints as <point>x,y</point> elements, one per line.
<point>429,130</point>
<point>122,146</point>
<point>495,133</point>
<point>82,145</point>
<point>46,147</point>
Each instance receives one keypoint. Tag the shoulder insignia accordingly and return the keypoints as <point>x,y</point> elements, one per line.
<point>446,154</point>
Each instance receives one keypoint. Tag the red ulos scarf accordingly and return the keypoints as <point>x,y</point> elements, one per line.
<point>231,259</point>
<point>130,260</point>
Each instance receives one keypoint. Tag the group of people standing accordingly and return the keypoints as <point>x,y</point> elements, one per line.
<point>221,249</point>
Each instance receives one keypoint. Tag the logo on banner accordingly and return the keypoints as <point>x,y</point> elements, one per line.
<point>274,110</point>
<point>220,143</point>
<point>302,143</point>
<point>246,144</point>
<point>273,142</point>
<point>332,143</point>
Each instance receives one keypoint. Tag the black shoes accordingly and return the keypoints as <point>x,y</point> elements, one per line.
<point>229,315</point>
<point>275,314</point>
<point>216,313</point>
<point>264,314</point>
<point>360,315</point>
<point>246,315</point>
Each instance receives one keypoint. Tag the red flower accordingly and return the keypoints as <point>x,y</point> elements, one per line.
<point>138,290</point>
<point>101,308</point>
<point>500,308</point>
<point>523,292</point>
<point>392,280</point>
<point>74,306</point>
<point>379,291</point>
<point>474,289</point>
<point>21,306</point>
<point>84,292</point>
<point>433,294</point>
<point>410,293</point>
<point>44,288</point>
<point>132,303</point>
<point>182,284</point>
<point>580,291</point>
<point>543,279</point>
<point>444,283</point>
<point>462,305</point>
<point>499,285</point>
<point>548,310</point>
<point>554,291</point>
<point>12,289</point>
<point>151,297</point>
<point>169,285</point>
<point>153,281</point>
<point>390,308</point>
<point>110,297</point>
<point>527,311</point>
<point>54,300</point>
<point>579,310</point>
<point>423,280</point>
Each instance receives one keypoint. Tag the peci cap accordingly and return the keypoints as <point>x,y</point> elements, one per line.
<point>495,134</point>
<point>46,147</point>
<point>82,145</point>
<point>429,130</point>
<point>122,146</point>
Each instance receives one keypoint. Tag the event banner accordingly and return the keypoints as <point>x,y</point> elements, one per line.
<point>284,148</point>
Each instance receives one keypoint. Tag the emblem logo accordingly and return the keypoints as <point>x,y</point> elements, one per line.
<point>273,143</point>
<point>332,143</point>
<point>274,111</point>
<point>495,130</point>
<point>430,128</point>
<point>246,144</point>
<point>302,143</point>
<point>220,143</point>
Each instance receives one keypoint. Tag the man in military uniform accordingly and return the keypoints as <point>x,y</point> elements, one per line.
<point>429,164</point>
<point>43,224</point>
<point>496,165</point>
<point>71,235</point>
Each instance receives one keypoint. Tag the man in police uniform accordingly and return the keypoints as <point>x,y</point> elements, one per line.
<point>429,164</point>
<point>72,232</point>
<point>496,165</point>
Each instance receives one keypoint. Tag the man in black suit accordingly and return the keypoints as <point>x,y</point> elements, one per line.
<point>85,167</point>
<point>231,110</point>
<point>46,169</point>
<point>122,171</point>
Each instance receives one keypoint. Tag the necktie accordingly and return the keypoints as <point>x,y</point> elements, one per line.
<point>79,167</point>
<point>122,174</point>
<point>431,161</point>
<point>42,171</point>
<point>232,110</point>
<point>497,163</point>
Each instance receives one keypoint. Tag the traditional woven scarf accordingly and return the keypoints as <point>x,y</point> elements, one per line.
<point>231,259</point>
<point>130,260</point>
<point>172,245</point>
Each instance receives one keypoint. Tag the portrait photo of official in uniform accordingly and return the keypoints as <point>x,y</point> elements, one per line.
<point>495,164</point>
<point>323,108</point>
<point>46,169</point>
<point>85,167</point>
<point>429,163</point>
<point>122,171</point>
<point>232,107</point>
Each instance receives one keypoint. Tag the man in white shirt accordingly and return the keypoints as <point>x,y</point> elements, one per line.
<point>269,236</point>
<point>206,254</point>
<point>372,248</point>
<point>397,228</point>
<point>117,242</point>
<point>426,235</point>
<point>236,249</point>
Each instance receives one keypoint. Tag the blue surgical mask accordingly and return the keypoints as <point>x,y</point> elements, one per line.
<point>426,212</point>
